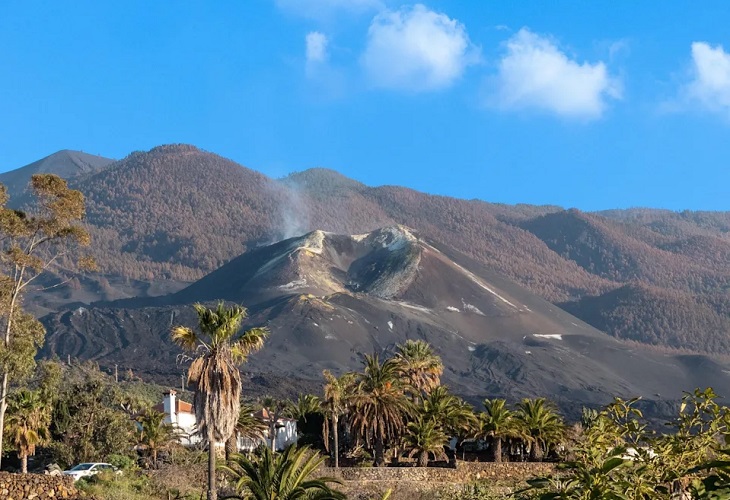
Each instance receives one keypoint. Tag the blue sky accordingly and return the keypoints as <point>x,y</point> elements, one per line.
<point>581,104</point>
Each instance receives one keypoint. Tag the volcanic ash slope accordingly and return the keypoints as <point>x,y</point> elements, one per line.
<point>330,298</point>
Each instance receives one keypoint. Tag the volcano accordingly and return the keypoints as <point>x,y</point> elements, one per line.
<point>330,298</point>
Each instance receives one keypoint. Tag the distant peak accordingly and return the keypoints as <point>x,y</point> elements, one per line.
<point>174,148</point>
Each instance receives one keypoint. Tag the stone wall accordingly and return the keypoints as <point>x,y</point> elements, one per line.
<point>463,473</point>
<point>36,486</point>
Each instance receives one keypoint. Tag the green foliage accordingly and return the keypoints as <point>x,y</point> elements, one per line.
<point>540,425</point>
<point>154,435</point>
<point>618,457</point>
<point>285,476</point>
<point>27,423</point>
<point>122,462</point>
<point>425,437</point>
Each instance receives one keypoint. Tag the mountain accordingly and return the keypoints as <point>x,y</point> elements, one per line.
<point>167,217</point>
<point>67,164</point>
<point>329,298</point>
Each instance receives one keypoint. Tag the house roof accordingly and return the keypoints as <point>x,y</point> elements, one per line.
<point>265,415</point>
<point>180,407</point>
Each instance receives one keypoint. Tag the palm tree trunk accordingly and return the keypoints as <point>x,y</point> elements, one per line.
<point>497,449</point>
<point>423,459</point>
<point>212,491</point>
<point>272,436</point>
<point>335,425</point>
<point>154,457</point>
<point>535,455</point>
<point>231,446</point>
<point>379,452</point>
<point>24,463</point>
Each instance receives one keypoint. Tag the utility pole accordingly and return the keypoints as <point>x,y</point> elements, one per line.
<point>182,382</point>
<point>68,359</point>
<point>116,373</point>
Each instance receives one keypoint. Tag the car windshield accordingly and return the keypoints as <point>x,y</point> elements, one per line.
<point>83,467</point>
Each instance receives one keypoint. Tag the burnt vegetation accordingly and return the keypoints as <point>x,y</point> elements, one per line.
<point>655,276</point>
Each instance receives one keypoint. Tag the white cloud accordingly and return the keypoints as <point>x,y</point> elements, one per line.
<point>535,73</point>
<point>318,9</point>
<point>316,47</point>
<point>710,84</point>
<point>416,49</point>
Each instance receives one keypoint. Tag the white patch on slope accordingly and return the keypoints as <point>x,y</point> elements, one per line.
<point>412,306</point>
<point>471,308</point>
<point>390,325</point>
<point>359,237</point>
<point>556,336</point>
<point>294,285</point>
<point>453,309</point>
<point>472,348</point>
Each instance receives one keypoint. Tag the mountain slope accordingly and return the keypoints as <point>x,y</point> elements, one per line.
<point>330,298</point>
<point>67,164</point>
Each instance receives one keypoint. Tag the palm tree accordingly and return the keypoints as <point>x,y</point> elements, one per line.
<point>214,374</point>
<point>154,435</point>
<point>419,365</point>
<point>496,423</point>
<point>286,476</point>
<point>454,415</point>
<point>424,437</point>
<point>379,405</point>
<point>248,427</point>
<point>541,424</point>
<point>334,405</point>
<point>306,405</point>
<point>27,423</point>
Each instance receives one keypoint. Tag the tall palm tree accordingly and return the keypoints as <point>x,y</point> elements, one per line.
<point>497,423</point>
<point>337,391</point>
<point>27,423</point>
<point>419,365</point>
<point>424,437</point>
<point>379,405</point>
<point>154,435</point>
<point>285,476</point>
<point>214,374</point>
<point>541,425</point>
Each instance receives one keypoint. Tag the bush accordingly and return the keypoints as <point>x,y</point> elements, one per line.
<point>123,462</point>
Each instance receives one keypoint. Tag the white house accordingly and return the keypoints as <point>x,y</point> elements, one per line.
<point>286,431</point>
<point>181,415</point>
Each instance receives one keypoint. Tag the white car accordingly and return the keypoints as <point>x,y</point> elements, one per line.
<point>90,469</point>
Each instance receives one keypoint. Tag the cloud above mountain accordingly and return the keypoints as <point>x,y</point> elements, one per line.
<point>534,73</point>
<point>710,83</point>
<point>416,49</point>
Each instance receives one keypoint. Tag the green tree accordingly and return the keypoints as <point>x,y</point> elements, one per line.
<point>214,374</point>
<point>497,423</point>
<point>305,406</point>
<point>88,421</point>
<point>285,476</point>
<point>454,415</point>
<point>419,365</point>
<point>154,435</point>
<point>379,406</point>
<point>33,242</point>
<point>27,423</point>
<point>541,425</point>
<point>424,437</point>
<point>337,393</point>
